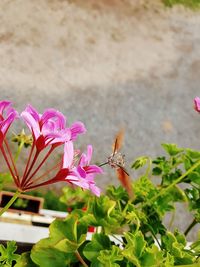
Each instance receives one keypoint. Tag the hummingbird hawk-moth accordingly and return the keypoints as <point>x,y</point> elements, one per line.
<point>117,161</point>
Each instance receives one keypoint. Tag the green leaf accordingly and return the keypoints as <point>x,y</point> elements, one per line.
<point>194,177</point>
<point>156,171</point>
<point>25,261</point>
<point>97,263</point>
<point>134,248</point>
<point>144,188</point>
<point>152,257</point>
<point>75,197</point>
<point>7,255</point>
<point>68,231</point>
<point>175,245</point>
<point>193,153</point>
<point>117,194</point>
<point>106,214</point>
<point>110,257</point>
<point>103,206</point>
<point>50,257</point>
<point>172,149</point>
<point>99,242</point>
<point>139,162</point>
<point>66,236</point>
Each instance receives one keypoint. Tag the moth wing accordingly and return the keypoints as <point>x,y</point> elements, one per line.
<point>125,181</point>
<point>118,141</point>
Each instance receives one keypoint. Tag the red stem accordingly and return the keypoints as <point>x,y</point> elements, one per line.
<point>28,162</point>
<point>51,181</point>
<point>9,166</point>
<point>12,161</point>
<point>30,168</point>
<point>39,166</point>
<point>44,174</point>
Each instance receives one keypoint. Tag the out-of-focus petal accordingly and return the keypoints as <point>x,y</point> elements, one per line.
<point>89,153</point>
<point>93,169</point>
<point>76,129</point>
<point>197,104</point>
<point>95,190</point>
<point>4,104</point>
<point>81,171</point>
<point>78,181</point>
<point>83,160</point>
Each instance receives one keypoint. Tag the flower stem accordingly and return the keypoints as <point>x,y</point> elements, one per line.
<point>80,259</point>
<point>12,200</point>
<point>193,223</point>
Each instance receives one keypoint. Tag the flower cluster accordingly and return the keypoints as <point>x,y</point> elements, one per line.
<point>49,131</point>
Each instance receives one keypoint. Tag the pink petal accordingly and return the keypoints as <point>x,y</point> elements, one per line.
<point>76,129</point>
<point>68,155</point>
<point>4,104</point>
<point>81,182</point>
<point>83,160</point>
<point>93,169</point>
<point>33,112</point>
<point>52,114</point>
<point>31,123</point>
<point>95,190</point>
<point>89,153</point>
<point>5,124</point>
<point>81,172</point>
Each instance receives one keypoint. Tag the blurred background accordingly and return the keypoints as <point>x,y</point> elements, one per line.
<point>111,64</point>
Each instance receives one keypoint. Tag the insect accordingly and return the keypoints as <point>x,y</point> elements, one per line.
<point>117,161</point>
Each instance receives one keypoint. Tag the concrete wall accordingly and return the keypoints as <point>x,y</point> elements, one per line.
<point>110,64</point>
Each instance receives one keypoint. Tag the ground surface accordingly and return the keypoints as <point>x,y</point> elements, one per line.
<point>110,64</point>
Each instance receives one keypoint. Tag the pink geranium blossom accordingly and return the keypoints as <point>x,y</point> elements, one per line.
<point>81,175</point>
<point>50,128</point>
<point>87,172</point>
<point>49,131</point>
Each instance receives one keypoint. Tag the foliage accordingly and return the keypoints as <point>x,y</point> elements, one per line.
<point>7,254</point>
<point>137,224</point>
<point>73,200</point>
<point>5,179</point>
<point>194,4</point>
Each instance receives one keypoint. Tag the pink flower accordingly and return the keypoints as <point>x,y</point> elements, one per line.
<point>81,175</point>
<point>50,127</point>
<point>7,116</point>
<point>197,104</point>
<point>87,172</point>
